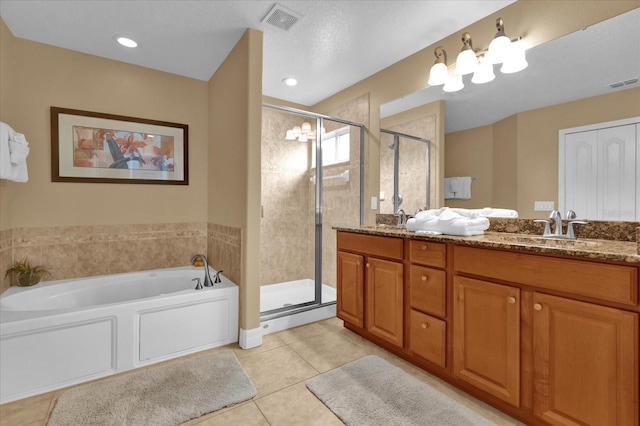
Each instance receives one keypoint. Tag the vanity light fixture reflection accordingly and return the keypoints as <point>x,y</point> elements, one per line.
<point>302,133</point>
<point>510,53</point>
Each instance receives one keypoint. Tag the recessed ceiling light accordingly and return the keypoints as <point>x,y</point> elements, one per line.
<point>290,81</point>
<point>127,42</point>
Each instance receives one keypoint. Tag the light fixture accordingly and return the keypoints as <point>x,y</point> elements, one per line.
<point>516,60</point>
<point>453,84</point>
<point>510,53</point>
<point>438,72</point>
<point>466,62</point>
<point>127,42</point>
<point>290,81</point>
<point>484,72</point>
<point>302,133</point>
<point>499,46</point>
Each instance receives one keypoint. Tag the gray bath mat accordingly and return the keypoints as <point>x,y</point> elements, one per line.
<point>164,395</point>
<point>370,391</point>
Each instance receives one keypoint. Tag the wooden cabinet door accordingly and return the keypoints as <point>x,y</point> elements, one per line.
<point>486,337</point>
<point>350,280</point>
<point>585,363</point>
<point>384,300</point>
<point>428,337</point>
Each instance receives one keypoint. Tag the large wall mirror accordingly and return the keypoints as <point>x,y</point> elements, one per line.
<point>505,132</point>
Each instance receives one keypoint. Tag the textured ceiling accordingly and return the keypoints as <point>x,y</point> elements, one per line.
<point>334,45</point>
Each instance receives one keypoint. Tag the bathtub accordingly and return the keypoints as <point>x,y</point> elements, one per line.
<point>60,333</point>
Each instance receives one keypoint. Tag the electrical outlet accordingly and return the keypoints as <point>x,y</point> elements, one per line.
<point>545,206</point>
<point>374,203</point>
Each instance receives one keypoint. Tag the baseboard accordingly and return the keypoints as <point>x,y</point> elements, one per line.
<point>250,338</point>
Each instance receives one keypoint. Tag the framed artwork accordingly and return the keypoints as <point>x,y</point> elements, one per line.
<point>105,148</point>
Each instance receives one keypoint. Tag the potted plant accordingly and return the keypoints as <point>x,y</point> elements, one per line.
<point>24,274</point>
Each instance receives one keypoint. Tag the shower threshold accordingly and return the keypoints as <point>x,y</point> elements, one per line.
<point>291,293</point>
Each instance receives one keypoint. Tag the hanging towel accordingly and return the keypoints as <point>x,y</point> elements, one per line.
<point>14,150</point>
<point>458,187</point>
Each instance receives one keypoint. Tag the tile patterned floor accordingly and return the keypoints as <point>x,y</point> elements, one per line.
<point>279,369</point>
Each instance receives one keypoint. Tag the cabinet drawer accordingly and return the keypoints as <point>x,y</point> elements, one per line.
<point>615,283</point>
<point>427,290</point>
<point>428,253</point>
<point>374,245</point>
<point>427,337</point>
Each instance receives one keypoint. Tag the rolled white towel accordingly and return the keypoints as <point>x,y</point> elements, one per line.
<point>448,222</point>
<point>491,212</point>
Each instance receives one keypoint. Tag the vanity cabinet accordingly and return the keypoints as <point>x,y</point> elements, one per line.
<point>350,304</point>
<point>585,363</point>
<point>550,340</point>
<point>427,302</point>
<point>583,356</point>
<point>370,283</point>
<point>486,337</point>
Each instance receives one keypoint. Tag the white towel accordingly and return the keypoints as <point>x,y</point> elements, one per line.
<point>14,150</point>
<point>458,187</point>
<point>449,222</point>
<point>486,212</point>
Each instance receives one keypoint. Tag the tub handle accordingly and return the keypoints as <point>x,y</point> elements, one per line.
<point>217,279</point>
<point>198,284</point>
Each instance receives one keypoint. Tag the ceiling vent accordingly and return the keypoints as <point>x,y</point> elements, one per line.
<point>281,17</point>
<point>624,83</point>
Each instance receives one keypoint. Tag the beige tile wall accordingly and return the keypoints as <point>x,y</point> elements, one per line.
<point>288,198</point>
<point>286,228</point>
<point>341,200</point>
<point>412,165</point>
<point>224,250</point>
<point>82,251</point>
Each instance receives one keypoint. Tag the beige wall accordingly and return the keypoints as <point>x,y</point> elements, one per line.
<point>224,152</point>
<point>233,161</point>
<point>518,156</point>
<point>470,153</point>
<point>42,76</point>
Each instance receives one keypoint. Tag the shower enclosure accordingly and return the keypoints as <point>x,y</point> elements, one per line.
<point>311,181</point>
<point>404,172</point>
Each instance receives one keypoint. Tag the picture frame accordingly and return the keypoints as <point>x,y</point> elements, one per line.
<point>94,147</point>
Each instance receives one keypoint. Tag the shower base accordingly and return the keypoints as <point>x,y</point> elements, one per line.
<point>289,293</point>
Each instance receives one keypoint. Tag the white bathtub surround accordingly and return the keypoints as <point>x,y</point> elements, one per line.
<point>291,293</point>
<point>65,332</point>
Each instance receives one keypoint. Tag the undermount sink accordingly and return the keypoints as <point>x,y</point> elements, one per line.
<point>545,241</point>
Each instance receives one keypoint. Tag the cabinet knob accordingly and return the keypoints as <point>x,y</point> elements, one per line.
<point>537,306</point>
<point>423,247</point>
<point>511,300</point>
<point>424,278</point>
<point>368,264</point>
<point>358,263</point>
<point>425,324</point>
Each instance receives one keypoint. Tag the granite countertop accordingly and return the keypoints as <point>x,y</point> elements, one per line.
<point>612,250</point>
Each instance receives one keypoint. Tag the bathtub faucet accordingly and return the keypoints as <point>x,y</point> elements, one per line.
<point>207,278</point>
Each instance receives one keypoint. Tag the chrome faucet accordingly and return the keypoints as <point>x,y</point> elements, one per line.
<point>207,278</point>
<point>402,218</point>
<point>557,217</point>
<point>557,232</point>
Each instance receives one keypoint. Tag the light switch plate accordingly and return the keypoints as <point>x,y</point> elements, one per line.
<point>545,206</point>
<point>374,203</point>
